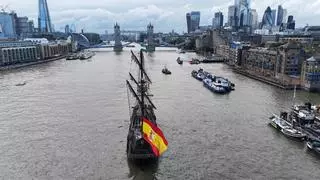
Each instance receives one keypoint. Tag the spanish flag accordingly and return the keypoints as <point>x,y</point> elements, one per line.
<point>154,136</point>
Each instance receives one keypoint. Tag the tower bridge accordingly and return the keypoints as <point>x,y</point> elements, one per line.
<point>117,39</point>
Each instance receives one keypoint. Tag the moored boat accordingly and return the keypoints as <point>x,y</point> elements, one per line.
<point>194,61</point>
<point>86,55</point>
<point>285,127</point>
<point>314,145</point>
<point>180,51</point>
<point>294,133</point>
<point>73,56</point>
<point>199,75</point>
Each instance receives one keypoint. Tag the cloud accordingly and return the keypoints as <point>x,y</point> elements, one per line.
<point>100,15</point>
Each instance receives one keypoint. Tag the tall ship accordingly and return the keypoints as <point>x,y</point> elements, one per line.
<point>145,139</point>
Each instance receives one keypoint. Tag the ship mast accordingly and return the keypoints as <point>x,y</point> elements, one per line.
<point>142,83</point>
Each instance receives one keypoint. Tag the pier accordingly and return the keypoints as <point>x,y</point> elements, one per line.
<point>213,59</point>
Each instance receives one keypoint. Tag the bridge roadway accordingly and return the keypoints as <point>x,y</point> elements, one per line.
<point>108,46</point>
<point>127,44</point>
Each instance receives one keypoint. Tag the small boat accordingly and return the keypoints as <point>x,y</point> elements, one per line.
<point>72,57</point>
<point>179,61</point>
<point>218,84</point>
<point>86,55</point>
<point>214,86</point>
<point>181,51</point>
<point>294,133</point>
<point>194,61</point>
<point>232,86</point>
<point>165,70</point>
<point>285,127</point>
<point>314,144</point>
<point>21,84</point>
<point>199,75</point>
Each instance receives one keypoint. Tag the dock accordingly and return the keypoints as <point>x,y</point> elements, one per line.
<point>213,59</point>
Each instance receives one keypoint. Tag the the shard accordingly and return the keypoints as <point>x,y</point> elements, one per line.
<point>44,21</point>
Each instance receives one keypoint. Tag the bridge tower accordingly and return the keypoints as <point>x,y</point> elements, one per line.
<point>150,46</point>
<point>117,39</point>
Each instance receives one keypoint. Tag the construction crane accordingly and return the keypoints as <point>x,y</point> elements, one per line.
<point>4,8</point>
<point>73,28</point>
<point>277,3</point>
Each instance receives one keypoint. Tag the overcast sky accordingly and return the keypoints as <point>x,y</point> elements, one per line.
<point>166,15</point>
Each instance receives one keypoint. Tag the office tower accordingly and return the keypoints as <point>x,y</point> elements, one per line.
<point>273,14</point>
<point>44,21</point>
<point>285,16</point>
<point>243,12</point>
<point>218,17</point>
<point>280,15</point>
<point>188,17</point>
<point>232,16</point>
<point>67,29</point>
<point>7,25</point>
<point>195,20</point>
<point>267,18</point>
<point>253,18</point>
<point>291,23</point>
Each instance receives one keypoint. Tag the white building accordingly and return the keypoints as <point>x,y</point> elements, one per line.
<point>38,40</point>
<point>254,18</point>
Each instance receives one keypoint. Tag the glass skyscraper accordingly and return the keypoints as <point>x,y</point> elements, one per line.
<point>267,18</point>
<point>273,13</point>
<point>231,16</point>
<point>218,20</point>
<point>280,15</point>
<point>291,23</point>
<point>253,18</point>
<point>195,20</point>
<point>7,25</point>
<point>44,21</point>
<point>242,17</point>
<point>188,17</point>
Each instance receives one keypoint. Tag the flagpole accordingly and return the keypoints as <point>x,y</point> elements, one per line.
<point>294,93</point>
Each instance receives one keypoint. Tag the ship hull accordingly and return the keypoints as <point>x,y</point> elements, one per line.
<point>118,49</point>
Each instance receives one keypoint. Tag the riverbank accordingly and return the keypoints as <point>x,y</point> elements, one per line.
<point>16,66</point>
<point>270,81</point>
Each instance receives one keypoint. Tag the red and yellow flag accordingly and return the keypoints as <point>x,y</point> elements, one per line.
<point>154,136</point>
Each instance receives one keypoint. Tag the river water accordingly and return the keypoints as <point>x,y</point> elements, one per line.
<point>70,121</point>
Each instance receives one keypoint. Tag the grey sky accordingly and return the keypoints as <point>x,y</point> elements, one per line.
<point>100,15</point>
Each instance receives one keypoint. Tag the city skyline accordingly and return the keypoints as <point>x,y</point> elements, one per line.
<point>165,15</point>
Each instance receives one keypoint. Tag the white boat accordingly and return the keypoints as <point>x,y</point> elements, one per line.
<point>214,86</point>
<point>286,128</point>
<point>314,145</point>
<point>278,122</point>
<point>294,133</point>
<point>218,84</point>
